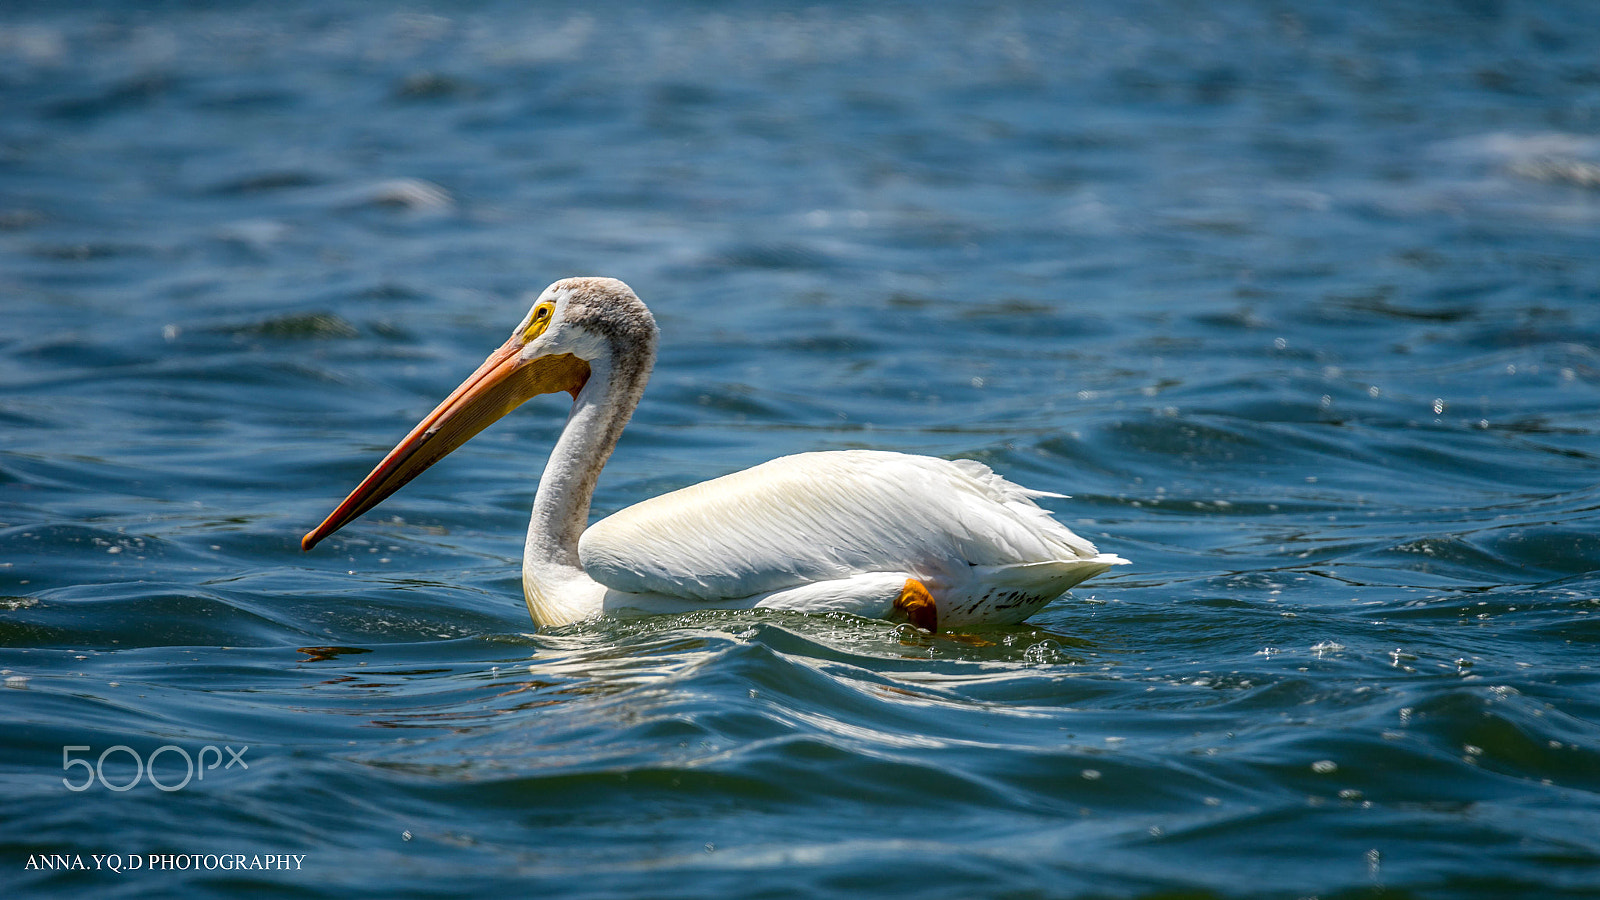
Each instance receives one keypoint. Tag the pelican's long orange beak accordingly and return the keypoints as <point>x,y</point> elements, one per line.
<point>501,384</point>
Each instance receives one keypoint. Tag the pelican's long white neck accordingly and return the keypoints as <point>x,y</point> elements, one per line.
<point>554,584</point>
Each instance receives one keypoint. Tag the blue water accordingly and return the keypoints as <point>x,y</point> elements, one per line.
<point>1299,302</point>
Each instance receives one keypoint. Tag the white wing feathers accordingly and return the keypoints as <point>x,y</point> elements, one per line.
<point>820,516</point>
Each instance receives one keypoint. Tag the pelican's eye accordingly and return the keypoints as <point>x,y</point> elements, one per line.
<point>539,322</point>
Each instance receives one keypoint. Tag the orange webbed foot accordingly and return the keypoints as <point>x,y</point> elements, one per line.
<point>916,605</point>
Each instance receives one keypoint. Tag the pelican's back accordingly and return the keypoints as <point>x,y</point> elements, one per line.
<point>820,516</point>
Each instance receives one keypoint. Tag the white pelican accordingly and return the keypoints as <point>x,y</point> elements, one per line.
<point>882,535</point>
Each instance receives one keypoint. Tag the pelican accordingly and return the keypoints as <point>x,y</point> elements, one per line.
<point>934,542</point>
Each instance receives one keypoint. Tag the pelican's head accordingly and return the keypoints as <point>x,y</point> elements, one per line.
<point>575,324</point>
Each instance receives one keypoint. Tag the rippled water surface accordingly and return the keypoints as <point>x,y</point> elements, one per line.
<point>1298,301</point>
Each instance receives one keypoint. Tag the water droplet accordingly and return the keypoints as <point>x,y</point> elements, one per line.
<point>405,835</point>
<point>1324,767</point>
<point>1042,654</point>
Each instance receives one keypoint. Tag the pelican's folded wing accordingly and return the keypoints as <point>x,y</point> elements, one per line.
<point>821,516</point>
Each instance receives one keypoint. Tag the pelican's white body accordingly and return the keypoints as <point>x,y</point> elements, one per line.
<point>834,531</point>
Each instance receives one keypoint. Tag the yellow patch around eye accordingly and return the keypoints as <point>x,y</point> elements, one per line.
<point>539,322</point>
